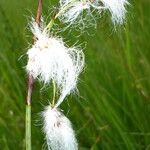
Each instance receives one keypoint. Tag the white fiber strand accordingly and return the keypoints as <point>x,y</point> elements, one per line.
<point>58,130</point>
<point>117,9</point>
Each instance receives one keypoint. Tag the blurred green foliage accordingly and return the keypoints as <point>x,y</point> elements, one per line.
<point>111,111</point>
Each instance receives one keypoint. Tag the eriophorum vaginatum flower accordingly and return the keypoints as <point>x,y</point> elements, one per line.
<point>74,13</point>
<point>49,59</point>
<point>58,130</point>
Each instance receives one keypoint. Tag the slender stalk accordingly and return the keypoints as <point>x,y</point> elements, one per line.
<point>30,89</point>
<point>51,23</point>
<point>65,8</point>
<point>49,26</point>
<point>54,93</point>
<point>28,127</point>
<point>28,113</point>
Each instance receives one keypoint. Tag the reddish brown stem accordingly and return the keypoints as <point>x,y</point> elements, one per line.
<point>39,12</point>
<point>30,89</point>
<point>30,78</point>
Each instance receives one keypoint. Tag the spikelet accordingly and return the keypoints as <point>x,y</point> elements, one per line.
<point>49,59</point>
<point>58,130</point>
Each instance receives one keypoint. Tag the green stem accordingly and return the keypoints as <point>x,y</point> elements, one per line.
<point>49,26</point>
<point>54,93</point>
<point>28,113</point>
<point>28,127</point>
<point>65,8</point>
<point>51,23</point>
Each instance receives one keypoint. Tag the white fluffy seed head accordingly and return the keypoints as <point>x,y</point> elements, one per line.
<point>58,130</point>
<point>49,59</point>
<point>116,8</point>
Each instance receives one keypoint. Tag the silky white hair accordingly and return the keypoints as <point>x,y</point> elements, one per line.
<point>49,59</point>
<point>116,8</point>
<point>58,130</point>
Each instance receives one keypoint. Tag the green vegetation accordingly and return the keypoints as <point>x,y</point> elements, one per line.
<point>113,106</point>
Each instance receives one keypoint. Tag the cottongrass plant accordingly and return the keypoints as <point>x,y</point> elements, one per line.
<point>54,63</point>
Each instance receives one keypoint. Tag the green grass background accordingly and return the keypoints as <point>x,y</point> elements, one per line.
<point>112,110</point>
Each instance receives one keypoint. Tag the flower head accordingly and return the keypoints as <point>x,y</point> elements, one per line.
<point>49,59</point>
<point>58,130</point>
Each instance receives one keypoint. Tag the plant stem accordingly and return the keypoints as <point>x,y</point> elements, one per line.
<point>65,8</point>
<point>51,23</point>
<point>30,89</point>
<point>54,93</point>
<point>49,26</point>
<point>28,113</point>
<point>28,127</point>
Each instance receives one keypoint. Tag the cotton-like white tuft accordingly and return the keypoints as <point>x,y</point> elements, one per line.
<point>49,59</point>
<point>116,8</point>
<point>58,130</point>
